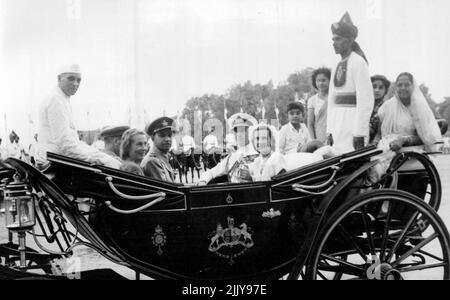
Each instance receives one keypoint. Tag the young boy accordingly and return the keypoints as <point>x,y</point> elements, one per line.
<point>156,164</point>
<point>295,134</point>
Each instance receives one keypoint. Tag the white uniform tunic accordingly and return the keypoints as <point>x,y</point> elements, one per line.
<point>225,165</point>
<point>58,134</point>
<point>350,102</point>
<point>188,143</point>
<point>209,142</point>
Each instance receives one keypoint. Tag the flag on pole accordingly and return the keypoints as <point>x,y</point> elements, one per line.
<point>263,110</point>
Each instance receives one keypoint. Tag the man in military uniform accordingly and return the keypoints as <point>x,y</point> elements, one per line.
<point>234,165</point>
<point>112,136</point>
<point>156,164</point>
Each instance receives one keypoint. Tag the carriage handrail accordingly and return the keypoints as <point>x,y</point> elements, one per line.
<point>312,187</point>
<point>315,193</point>
<point>133,211</point>
<point>131,197</point>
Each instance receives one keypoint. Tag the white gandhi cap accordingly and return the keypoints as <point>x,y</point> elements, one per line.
<point>71,68</point>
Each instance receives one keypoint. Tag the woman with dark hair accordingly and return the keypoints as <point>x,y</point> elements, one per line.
<point>406,119</point>
<point>317,105</point>
<point>380,86</point>
<point>134,146</point>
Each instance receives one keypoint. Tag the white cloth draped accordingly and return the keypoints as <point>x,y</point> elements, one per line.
<point>415,119</point>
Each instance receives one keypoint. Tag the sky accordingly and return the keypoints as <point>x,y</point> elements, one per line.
<point>153,55</point>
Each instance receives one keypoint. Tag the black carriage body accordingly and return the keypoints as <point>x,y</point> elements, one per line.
<point>216,231</point>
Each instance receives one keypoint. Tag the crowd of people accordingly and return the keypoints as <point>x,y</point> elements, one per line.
<point>348,112</point>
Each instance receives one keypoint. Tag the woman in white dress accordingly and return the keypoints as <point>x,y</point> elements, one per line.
<point>317,105</point>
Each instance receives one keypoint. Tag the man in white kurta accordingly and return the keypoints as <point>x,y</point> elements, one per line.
<point>57,131</point>
<point>188,144</point>
<point>245,153</point>
<point>210,143</point>
<point>351,99</point>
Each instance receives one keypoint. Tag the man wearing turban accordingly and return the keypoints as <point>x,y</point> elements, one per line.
<point>57,131</point>
<point>351,100</point>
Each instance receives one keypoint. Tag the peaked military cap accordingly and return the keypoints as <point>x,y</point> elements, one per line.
<point>113,131</point>
<point>158,125</point>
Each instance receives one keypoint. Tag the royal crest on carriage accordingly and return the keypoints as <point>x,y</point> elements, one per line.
<point>231,242</point>
<point>159,239</point>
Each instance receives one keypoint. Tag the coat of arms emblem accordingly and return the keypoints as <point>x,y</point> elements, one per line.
<point>231,242</point>
<point>159,239</point>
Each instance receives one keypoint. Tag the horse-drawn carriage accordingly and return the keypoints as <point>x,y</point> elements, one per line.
<point>321,221</point>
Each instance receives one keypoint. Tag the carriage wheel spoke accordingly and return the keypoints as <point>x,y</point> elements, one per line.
<point>422,267</point>
<point>338,270</point>
<point>348,238</point>
<point>415,249</point>
<point>342,262</point>
<point>430,255</point>
<point>402,236</point>
<point>384,239</point>
<point>321,275</point>
<point>369,234</point>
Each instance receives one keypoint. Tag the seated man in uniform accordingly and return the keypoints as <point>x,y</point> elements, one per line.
<point>238,160</point>
<point>112,136</point>
<point>156,164</point>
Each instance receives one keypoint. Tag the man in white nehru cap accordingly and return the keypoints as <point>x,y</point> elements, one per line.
<point>57,131</point>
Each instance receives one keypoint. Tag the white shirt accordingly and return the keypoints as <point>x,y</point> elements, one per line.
<point>57,133</point>
<point>225,165</point>
<point>345,122</point>
<point>290,138</point>
<point>188,143</point>
<point>209,142</point>
<point>13,150</point>
<point>264,168</point>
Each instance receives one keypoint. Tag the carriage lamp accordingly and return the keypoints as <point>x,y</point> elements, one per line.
<point>19,205</point>
<point>19,212</point>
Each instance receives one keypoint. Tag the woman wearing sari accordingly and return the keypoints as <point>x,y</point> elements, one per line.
<point>317,105</point>
<point>406,119</point>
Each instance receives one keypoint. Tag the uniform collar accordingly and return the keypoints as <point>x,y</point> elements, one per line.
<point>158,152</point>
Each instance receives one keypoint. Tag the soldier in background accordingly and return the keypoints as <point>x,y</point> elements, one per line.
<point>112,136</point>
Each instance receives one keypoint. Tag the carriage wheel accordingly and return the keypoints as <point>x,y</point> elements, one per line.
<point>432,192</point>
<point>368,238</point>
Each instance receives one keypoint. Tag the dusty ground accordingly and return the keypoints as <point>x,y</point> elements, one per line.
<point>90,259</point>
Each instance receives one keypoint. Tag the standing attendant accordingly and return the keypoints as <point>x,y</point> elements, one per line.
<point>351,100</point>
